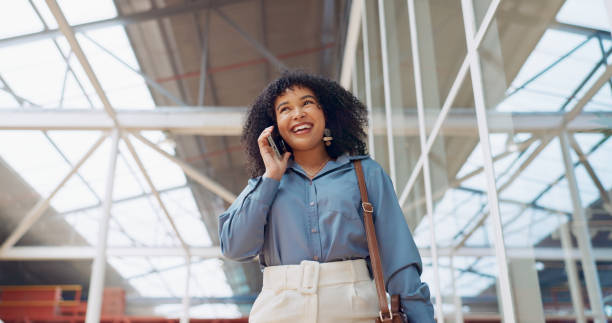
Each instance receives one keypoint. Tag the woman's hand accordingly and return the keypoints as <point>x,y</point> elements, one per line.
<point>275,167</point>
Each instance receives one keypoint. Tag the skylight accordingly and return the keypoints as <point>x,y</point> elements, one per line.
<point>585,13</point>
<point>37,72</point>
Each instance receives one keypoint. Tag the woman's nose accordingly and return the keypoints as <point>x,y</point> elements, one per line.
<point>299,113</point>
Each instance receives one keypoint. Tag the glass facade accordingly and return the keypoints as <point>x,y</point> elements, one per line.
<point>493,120</point>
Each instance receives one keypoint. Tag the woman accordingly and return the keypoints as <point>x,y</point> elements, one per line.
<point>301,211</point>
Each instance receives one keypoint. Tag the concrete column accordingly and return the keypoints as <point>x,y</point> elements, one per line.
<point>526,290</point>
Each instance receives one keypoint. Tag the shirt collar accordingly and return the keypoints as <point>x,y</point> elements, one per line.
<point>331,165</point>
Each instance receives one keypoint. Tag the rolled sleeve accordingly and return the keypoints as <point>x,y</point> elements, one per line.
<point>241,226</point>
<point>415,296</point>
<point>400,257</point>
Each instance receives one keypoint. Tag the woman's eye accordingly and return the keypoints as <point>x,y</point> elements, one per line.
<point>307,102</point>
<point>283,109</point>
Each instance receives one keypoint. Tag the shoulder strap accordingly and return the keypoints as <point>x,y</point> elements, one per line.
<point>372,242</point>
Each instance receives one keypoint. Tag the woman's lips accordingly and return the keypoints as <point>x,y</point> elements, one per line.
<point>303,131</point>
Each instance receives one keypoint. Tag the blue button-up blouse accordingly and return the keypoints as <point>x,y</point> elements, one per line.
<point>321,219</point>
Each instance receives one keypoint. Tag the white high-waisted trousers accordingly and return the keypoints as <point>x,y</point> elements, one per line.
<point>316,292</point>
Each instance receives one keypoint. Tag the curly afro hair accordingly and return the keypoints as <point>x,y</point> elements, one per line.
<point>345,116</point>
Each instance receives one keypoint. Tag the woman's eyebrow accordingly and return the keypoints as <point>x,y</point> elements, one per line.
<point>308,96</point>
<point>281,104</point>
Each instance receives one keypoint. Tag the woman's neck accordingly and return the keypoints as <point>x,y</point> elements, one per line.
<point>312,157</point>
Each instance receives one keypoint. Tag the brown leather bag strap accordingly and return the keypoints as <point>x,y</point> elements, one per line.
<point>368,210</point>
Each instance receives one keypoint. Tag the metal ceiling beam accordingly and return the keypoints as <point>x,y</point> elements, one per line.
<point>204,180</point>
<point>152,83</point>
<point>258,46</point>
<point>161,203</point>
<point>350,46</point>
<point>187,7</point>
<point>76,48</point>
<point>66,60</point>
<point>206,121</point>
<point>580,30</point>
<point>38,253</point>
<point>603,193</point>
<point>227,121</point>
<point>174,65</point>
<point>75,253</point>
<point>38,210</point>
<point>203,37</point>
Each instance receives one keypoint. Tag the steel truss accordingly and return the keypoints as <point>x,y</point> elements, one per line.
<point>486,126</point>
<point>121,125</point>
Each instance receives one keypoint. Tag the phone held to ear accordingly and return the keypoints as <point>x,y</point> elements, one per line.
<point>277,145</point>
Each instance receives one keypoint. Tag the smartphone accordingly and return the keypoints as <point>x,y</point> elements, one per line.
<point>277,144</point>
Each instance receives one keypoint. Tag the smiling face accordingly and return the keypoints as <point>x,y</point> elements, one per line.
<point>300,118</point>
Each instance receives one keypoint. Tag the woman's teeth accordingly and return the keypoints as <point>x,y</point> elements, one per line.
<point>300,128</point>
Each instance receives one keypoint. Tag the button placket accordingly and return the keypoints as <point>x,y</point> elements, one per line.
<point>314,223</point>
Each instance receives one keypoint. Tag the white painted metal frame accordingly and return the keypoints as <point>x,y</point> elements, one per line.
<point>116,125</point>
<point>38,253</point>
<point>581,230</point>
<point>145,77</point>
<point>96,283</point>
<point>367,78</point>
<point>456,297</point>
<point>37,211</point>
<point>452,94</point>
<point>99,263</point>
<point>161,203</point>
<point>572,273</point>
<point>505,291</point>
<point>204,63</point>
<point>416,65</point>
<point>387,90</point>
<point>227,121</point>
<point>191,172</point>
<point>256,44</point>
<point>352,40</point>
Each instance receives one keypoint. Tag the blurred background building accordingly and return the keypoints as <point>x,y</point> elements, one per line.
<point>119,147</point>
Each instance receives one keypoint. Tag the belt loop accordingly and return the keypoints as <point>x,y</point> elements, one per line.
<point>285,285</point>
<point>353,270</point>
<point>310,277</point>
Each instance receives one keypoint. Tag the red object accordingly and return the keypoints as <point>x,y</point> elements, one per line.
<point>42,304</point>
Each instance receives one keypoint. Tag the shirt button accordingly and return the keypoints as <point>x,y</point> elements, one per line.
<point>313,230</point>
<point>315,258</point>
<point>311,203</point>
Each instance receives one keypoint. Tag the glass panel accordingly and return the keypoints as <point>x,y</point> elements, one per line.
<point>587,13</point>
<point>461,212</point>
<point>527,67</point>
<point>406,143</point>
<point>379,124</point>
<point>442,51</point>
<point>18,18</point>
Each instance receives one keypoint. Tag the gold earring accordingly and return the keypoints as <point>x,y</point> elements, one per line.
<point>327,138</point>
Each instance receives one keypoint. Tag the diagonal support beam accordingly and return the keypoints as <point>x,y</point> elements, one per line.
<point>146,78</point>
<point>188,7</point>
<point>144,172</point>
<point>260,48</point>
<point>6,88</point>
<point>605,197</point>
<point>76,48</point>
<point>66,59</point>
<point>204,180</point>
<point>450,98</point>
<point>42,205</point>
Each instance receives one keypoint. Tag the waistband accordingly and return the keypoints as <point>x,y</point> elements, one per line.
<point>309,275</point>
